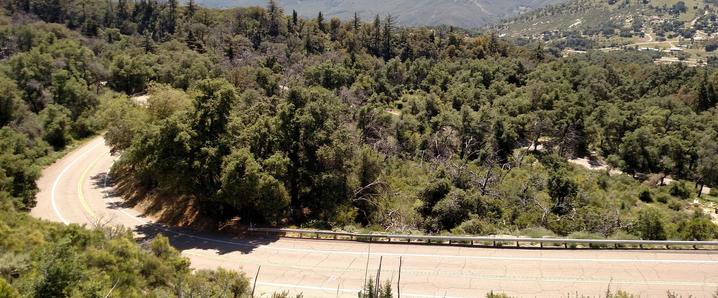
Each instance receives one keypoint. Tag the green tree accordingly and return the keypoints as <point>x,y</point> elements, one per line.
<point>320,22</point>
<point>650,224</point>
<point>639,150</point>
<point>17,167</point>
<point>698,228</point>
<point>56,123</point>
<point>122,118</point>
<point>209,121</point>
<point>318,149</point>
<point>130,75</point>
<point>562,190</point>
<point>10,102</point>
<point>388,40</point>
<point>708,161</point>
<point>247,187</point>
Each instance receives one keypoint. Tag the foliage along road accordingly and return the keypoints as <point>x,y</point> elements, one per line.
<point>75,190</point>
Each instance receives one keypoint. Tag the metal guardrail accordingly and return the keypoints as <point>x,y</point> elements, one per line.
<point>484,240</point>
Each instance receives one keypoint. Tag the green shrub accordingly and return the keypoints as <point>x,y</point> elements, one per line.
<point>680,189</point>
<point>537,232</point>
<point>475,226</point>
<point>651,225</point>
<point>7,291</point>
<point>623,235</point>
<point>675,205</point>
<point>496,295</point>
<point>382,290</point>
<point>698,228</point>
<point>586,235</point>
<point>645,196</point>
<point>663,198</point>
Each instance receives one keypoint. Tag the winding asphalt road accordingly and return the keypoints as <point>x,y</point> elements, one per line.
<point>74,190</point>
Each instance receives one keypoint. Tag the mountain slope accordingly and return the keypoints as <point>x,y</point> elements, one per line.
<point>460,13</point>
<point>605,15</point>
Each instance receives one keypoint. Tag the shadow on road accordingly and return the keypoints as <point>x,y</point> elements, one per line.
<point>184,239</point>
<point>236,240</point>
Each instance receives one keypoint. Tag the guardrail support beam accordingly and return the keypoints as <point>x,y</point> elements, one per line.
<point>493,240</point>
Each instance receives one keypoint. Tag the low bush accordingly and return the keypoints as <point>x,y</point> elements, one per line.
<point>681,190</point>
<point>645,196</point>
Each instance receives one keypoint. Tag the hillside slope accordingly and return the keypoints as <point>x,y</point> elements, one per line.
<point>611,16</point>
<point>461,13</point>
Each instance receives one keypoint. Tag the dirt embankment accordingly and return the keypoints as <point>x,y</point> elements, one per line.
<point>167,208</point>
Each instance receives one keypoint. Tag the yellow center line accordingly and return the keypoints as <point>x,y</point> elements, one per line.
<point>81,194</point>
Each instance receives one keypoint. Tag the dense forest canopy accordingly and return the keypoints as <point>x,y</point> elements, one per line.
<point>279,119</point>
<point>258,113</point>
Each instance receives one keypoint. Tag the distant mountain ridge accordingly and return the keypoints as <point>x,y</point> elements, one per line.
<point>460,13</point>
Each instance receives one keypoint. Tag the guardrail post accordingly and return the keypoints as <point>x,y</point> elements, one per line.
<point>473,241</point>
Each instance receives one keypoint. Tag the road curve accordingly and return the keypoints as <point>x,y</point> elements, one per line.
<point>74,190</point>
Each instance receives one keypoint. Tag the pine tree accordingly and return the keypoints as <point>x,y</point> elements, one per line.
<point>122,11</point>
<point>388,31</point>
<point>706,94</point>
<point>148,43</point>
<point>376,36</point>
<point>171,21</point>
<point>320,22</point>
<point>191,8</point>
<point>109,18</point>
<point>274,15</point>
<point>356,22</point>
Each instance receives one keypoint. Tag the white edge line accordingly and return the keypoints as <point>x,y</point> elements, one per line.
<point>349,252</point>
<point>595,260</point>
<point>57,180</point>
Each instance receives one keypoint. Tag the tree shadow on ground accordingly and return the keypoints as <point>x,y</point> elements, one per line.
<point>184,239</point>
<point>120,193</point>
